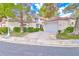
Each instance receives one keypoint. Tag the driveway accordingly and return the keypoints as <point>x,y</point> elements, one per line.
<point>42,39</point>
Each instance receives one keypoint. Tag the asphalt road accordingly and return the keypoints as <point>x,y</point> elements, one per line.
<point>10,49</point>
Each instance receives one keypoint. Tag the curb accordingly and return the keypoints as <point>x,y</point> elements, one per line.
<point>57,43</point>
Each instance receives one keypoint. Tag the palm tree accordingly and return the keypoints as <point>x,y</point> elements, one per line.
<point>75,8</point>
<point>6,11</point>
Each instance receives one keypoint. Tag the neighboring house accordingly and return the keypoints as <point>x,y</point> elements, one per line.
<point>15,22</point>
<point>3,23</point>
<point>39,22</point>
<point>11,22</point>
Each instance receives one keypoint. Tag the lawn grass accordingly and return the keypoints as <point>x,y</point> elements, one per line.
<point>67,36</point>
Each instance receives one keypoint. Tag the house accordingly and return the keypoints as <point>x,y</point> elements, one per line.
<point>15,22</point>
<point>11,22</point>
<point>3,23</point>
<point>58,23</point>
<point>51,25</point>
<point>65,22</point>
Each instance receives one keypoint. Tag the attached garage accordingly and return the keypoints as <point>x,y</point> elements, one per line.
<point>51,27</point>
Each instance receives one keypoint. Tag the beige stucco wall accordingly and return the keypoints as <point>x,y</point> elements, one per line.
<point>31,25</point>
<point>62,24</point>
<point>16,24</point>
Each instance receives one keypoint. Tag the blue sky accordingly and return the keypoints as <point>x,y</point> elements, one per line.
<point>62,4</point>
<point>61,7</point>
<point>36,6</point>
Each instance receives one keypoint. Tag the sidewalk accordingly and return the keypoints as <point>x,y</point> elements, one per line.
<point>42,39</point>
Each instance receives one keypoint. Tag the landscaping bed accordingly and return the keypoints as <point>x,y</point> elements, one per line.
<point>17,31</point>
<point>67,34</point>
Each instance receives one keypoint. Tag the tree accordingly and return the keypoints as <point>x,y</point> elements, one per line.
<point>6,11</point>
<point>75,8</point>
<point>48,10</point>
<point>21,8</point>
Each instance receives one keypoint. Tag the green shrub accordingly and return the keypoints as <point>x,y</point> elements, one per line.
<point>59,31</point>
<point>24,29</point>
<point>17,29</point>
<point>3,30</point>
<point>69,29</point>
<point>41,29</point>
<point>30,29</point>
<point>36,29</point>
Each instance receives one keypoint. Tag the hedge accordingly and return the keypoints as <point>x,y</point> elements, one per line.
<point>69,29</point>
<point>31,29</point>
<point>24,29</point>
<point>3,30</point>
<point>17,29</point>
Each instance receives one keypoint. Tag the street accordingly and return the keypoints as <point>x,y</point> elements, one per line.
<point>11,49</point>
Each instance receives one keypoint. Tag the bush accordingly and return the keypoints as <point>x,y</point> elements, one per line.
<point>59,31</point>
<point>69,29</point>
<point>17,29</point>
<point>36,29</point>
<point>3,30</point>
<point>30,29</point>
<point>41,29</point>
<point>24,29</point>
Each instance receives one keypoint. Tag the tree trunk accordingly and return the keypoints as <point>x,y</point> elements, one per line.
<point>21,21</point>
<point>76,28</point>
<point>1,22</point>
<point>8,34</point>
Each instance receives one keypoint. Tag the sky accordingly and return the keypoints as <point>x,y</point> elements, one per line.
<point>61,7</point>
<point>36,6</point>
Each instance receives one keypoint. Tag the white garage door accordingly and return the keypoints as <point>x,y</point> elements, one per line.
<point>51,27</point>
